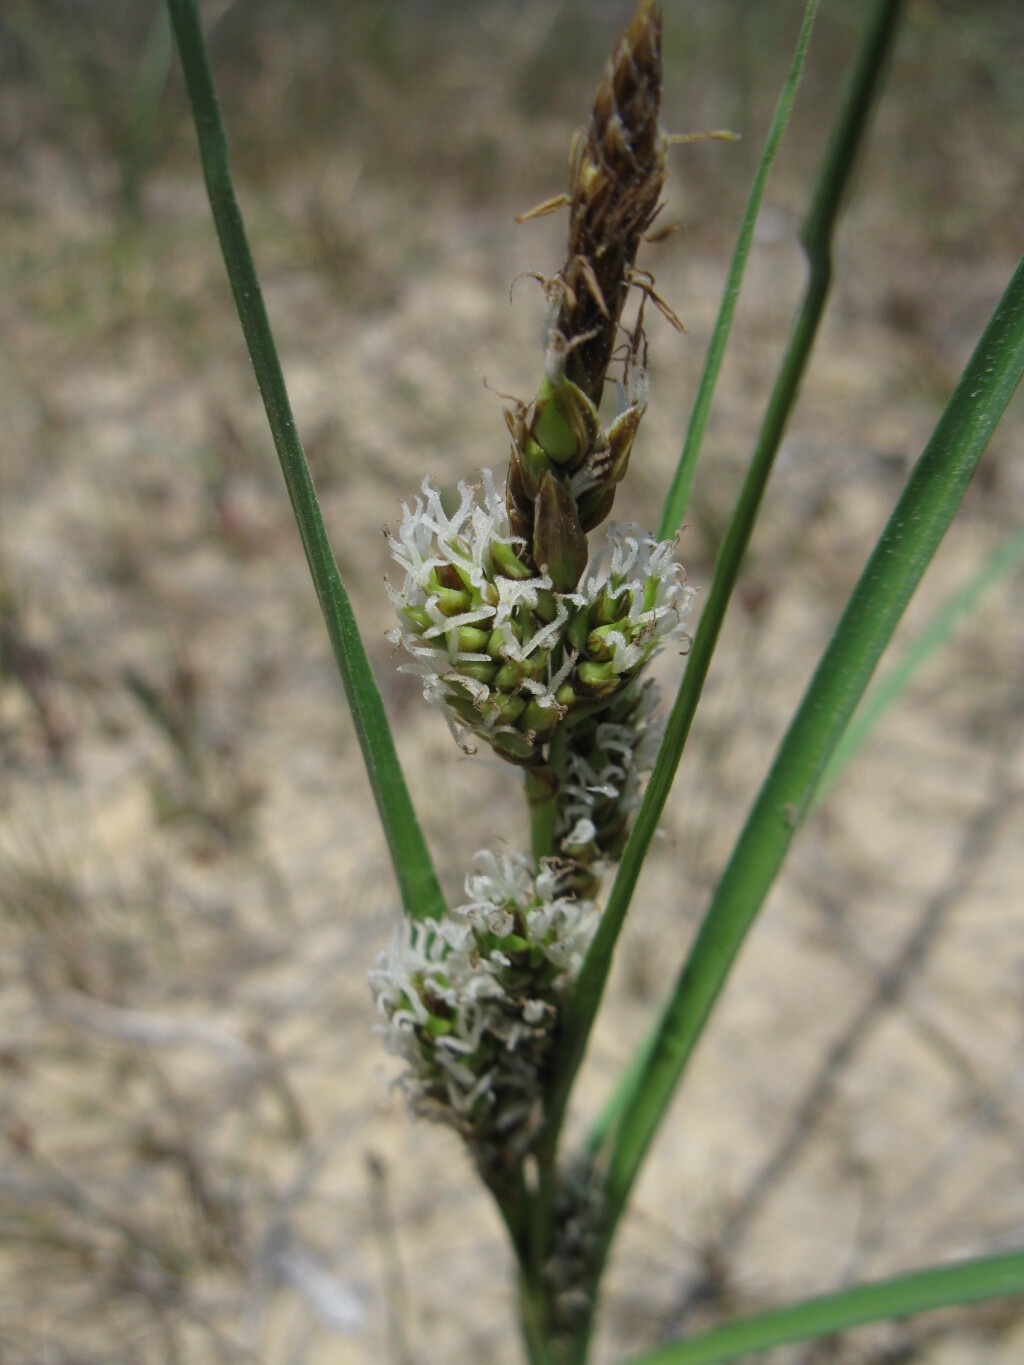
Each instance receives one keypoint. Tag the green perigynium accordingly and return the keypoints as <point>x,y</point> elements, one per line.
<point>564,469</point>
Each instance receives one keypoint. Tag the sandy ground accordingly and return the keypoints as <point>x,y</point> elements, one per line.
<point>192,884</point>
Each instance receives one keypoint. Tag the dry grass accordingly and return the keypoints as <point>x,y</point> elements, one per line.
<point>192,886</point>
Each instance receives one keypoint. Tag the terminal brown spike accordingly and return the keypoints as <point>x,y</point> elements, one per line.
<point>616,176</point>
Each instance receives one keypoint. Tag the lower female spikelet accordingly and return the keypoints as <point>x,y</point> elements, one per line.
<point>471,1002</point>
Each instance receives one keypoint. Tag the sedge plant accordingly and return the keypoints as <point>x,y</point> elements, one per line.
<point>536,648</point>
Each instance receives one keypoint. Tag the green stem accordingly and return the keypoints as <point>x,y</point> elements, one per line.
<point>919,521</point>
<point>543,788</point>
<point>679,493</point>
<point>420,891</point>
<point>542,1216</point>
<point>517,1205</point>
<point>836,170</point>
<point>533,1316</point>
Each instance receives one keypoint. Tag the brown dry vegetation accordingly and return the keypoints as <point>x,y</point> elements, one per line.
<point>199,1156</point>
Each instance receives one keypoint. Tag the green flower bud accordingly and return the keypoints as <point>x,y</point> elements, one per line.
<point>419,617</point>
<point>608,609</point>
<point>529,462</point>
<point>536,667</point>
<point>509,675</point>
<point>477,669</point>
<point>539,721</point>
<point>507,562</point>
<point>516,948</point>
<point>462,705</point>
<point>495,643</point>
<point>558,540</point>
<point>546,607</point>
<point>516,747</point>
<point>565,424</point>
<point>507,710</point>
<point>596,679</point>
<point>452,601</point>
<point>472,640</point>
<point>599,646</point>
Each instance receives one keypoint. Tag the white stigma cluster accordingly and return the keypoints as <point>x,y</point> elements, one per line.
<point>614,770</point>
<point>470,1001</point>
<point>644,576</point>
<point>491,641</point>
<point>435,634</point>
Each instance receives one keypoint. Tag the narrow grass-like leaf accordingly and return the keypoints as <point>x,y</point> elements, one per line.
<point>147,92</point>
<point>421,894</point>
<point>915,529</point>
<point>922,1291</point>
<point>682,481</point>
<point>837,167</point>
<point>1003,560</point>
<point>888,690</point>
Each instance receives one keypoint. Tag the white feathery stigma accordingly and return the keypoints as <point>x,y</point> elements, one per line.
<point>459,1005</point>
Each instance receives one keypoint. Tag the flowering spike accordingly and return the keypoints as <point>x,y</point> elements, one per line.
<point>617,170</point>
<point>472,1001</point>
<point>523,647</point>
<point>615,182</point>
<point>510,653</point>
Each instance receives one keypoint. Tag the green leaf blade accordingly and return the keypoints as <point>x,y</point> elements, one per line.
<point>417,880</point>
<point>682,482</point>
<point>1003,560</point>
<point>837,167</point>
<point>922,1291</point>
<point>920,520</point>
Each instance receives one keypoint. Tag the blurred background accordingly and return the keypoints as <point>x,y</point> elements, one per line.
<point>200,1156</point>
